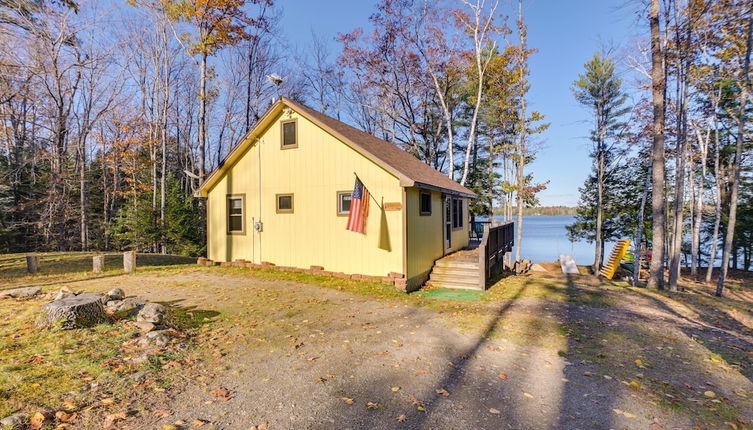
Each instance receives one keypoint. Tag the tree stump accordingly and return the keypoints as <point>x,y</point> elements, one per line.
<point>32,263</point>
<point>129,261</point>
<point>98,263</point>
<point>84,310</point>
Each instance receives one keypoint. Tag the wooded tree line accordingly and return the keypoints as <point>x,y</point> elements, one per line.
<point>671,169</point>
<point>113,114</point>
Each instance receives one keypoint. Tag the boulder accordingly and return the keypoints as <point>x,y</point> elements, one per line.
<point>15,421</point>
<point>158,338</point>
<point>21,293</point>
<point>83,310</point>
<point>152,313</point>
<point>116,294</point>
<point>126,307</point>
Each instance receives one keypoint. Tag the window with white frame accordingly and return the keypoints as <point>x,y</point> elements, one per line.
<point>235,222</point>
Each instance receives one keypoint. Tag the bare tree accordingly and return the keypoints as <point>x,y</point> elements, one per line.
<point>744,80</point>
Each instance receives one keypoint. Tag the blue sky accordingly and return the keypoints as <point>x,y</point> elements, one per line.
<point>566,34</point>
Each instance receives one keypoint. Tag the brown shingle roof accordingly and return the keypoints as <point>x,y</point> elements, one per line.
<point>382,152</point>
<point>409,169</point>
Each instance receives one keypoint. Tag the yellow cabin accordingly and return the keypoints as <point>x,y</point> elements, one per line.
<point>283,196</point>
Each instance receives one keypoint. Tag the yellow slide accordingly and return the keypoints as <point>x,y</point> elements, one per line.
<point>618,253</point>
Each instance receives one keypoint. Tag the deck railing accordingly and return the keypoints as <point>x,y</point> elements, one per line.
<point>498,240</point>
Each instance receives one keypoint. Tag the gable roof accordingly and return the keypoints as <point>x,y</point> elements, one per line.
<point>408,169</point>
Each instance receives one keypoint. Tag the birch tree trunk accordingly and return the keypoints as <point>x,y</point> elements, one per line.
<point>717,206</point>
<point>745,86</point>
<point>203,117</point>
<point>639,233</point>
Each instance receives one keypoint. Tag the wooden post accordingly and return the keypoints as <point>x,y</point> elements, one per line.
<point>129,261</point>
<point>32,263</point>
<point>98,263</point>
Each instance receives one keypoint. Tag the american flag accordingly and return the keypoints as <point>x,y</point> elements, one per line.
<point>359,208</point>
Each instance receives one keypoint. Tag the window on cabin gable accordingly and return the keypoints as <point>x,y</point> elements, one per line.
<point>289,134</point>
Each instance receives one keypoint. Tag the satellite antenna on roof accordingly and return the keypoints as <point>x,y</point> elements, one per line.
<point>277,80</point>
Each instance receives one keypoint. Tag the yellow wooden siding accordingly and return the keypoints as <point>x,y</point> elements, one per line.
<point>313,234</point>
<point>425,242</point>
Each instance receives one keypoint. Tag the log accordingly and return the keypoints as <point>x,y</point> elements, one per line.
<point>98,263</point>
<point>129,261</point>
<point>84,310</point>
<point>32,263</point>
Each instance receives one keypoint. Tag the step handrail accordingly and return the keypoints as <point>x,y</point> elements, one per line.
<point>497,241</point>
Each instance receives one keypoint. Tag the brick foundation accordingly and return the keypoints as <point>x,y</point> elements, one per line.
<point>393,278</point>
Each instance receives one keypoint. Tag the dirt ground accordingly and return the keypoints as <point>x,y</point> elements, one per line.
<point>541,351</point>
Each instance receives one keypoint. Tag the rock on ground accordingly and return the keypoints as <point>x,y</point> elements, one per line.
<point>84,310</point>
<point>145,326</point>
<point>116,294</point>
<point>64,293</point>
<point>151,312</point>
<point>21,293</point>
<point>157,338</point>
<point>126,307</point>
<point>14,421</point>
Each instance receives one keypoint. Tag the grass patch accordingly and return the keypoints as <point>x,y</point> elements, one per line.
<point>46,367</point>
<point>39,367</point>
<point>450,294</point>
<point>62,266</point>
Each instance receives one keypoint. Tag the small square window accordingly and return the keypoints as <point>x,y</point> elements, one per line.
<point>343,202</point>
<point>235,214</point>
<point>425,202</point>
<point>289,134</point>
<point>284,203</point>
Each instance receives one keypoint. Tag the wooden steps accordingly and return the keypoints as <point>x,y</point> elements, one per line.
<point>457,270</point>
<point>618,253</point>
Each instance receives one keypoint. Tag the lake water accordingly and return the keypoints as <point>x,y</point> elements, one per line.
<point>545,238</point>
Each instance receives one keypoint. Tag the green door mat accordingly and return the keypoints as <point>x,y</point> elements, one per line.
<point>451,294</point>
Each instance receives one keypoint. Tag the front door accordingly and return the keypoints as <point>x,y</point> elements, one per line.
<point>447,223</point>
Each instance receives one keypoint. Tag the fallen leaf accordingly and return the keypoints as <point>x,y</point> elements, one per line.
<point>68,406</point>
<point>372,405</point>
<point>494,411</point>
<point>401,418</point>
<point>108,401</point>
<point>709,394</point>
<point>38,420</point>
<point>198,423</point>
<point>530,396</point>
<point>347,400</point>
<point>443,392</point>
<point>502,376</point>
<point>111,419</point>
<point>65,416</point>
<point>395,389</point>
<point>634,385</point>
